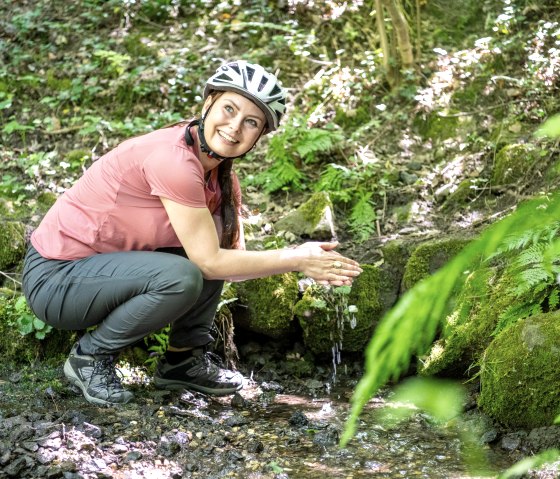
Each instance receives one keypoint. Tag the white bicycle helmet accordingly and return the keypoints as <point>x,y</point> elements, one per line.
<point>253,82</point>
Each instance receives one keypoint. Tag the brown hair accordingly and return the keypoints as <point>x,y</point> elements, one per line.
<point>229,206</point>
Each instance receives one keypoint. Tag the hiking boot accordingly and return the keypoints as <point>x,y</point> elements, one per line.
<point>201,372</point>
<point>97,377</point>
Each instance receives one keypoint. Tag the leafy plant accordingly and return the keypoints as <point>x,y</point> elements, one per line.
<point>157,345</point>
<point>290,150</point>
<point>410,327</point>
<point>21,317</point>
<point>533,276</point>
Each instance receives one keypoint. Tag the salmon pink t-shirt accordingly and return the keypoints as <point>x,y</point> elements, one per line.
<point>116,206</point>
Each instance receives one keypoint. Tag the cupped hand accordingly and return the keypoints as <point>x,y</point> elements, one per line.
<point>327,266</point>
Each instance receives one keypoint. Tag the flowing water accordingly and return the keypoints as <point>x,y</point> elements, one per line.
<point>307,444</point>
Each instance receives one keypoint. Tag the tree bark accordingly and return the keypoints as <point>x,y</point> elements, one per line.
<point>402,31</point>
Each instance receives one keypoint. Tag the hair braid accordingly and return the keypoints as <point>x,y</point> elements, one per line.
<point>229,207</point>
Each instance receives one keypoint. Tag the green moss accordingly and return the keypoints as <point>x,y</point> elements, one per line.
<point>460,196</point>
<point>313,219</point>
<point>467,330</point>
<point>436,127</point>
<point>57,84</point>
<point>512,163</point>
<point>326,319</point>
<point>428,257</point>
<point>519,377</point>
<point>269,303</point>
<point>313,209</point>
<point>12,244</point>
<point>45,200</point>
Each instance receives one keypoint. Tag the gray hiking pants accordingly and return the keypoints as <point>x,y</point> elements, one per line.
<point>127,295</point>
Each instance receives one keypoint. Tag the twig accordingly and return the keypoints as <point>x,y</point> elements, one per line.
<point>9,277</point>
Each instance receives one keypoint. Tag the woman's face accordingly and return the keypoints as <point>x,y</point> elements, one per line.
<point>233,124</point>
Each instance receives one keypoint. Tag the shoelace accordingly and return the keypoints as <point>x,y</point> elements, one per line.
<point>106,369</point>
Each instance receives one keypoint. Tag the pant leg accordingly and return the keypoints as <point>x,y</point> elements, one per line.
<point>202,313</point>
<point>127,295</point>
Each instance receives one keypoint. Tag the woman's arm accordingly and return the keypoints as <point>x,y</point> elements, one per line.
<point>196,231</point>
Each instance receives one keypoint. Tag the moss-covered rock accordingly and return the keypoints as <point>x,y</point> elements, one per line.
<point>512,163</point>
<point>342,316</point>
<point>395,257</point>
<point>519,376</point>
<point>12,244</point>
<point>467,331</point>
<point>313,219</point>
<point>428,257</point>
<point>267,304</point>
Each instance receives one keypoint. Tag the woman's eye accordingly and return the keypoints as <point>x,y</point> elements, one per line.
<point>228,108</point>
<point>252,123</point>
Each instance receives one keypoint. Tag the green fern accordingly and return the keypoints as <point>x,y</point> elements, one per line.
<point>291,148</point>
<point>363,217</point>
<point>312,141</point>
<point>516,313</point>
<point>411,326</point>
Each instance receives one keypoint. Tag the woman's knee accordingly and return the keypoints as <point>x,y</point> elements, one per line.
<point>185,277</point>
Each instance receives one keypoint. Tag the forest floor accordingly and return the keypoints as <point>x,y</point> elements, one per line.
<point>278,426</point>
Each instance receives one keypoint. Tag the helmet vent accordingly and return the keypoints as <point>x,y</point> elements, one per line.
<point>275,90</point>
<point>235,68</point>
<point>262,84</point>
<point>224,77</point>
<point>250,73</point>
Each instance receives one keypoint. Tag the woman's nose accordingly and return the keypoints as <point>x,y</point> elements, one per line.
<point>235,123</point>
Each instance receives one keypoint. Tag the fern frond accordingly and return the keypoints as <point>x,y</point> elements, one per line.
<point>554,299</point>
<point>362,217</point>
<point>515,313</point>
<point>333,178</point>
<point>531,256</point>
<point>315,140</point>
<point>531,278</point>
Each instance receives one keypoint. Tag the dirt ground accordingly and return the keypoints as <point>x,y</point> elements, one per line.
<point>279,426</point>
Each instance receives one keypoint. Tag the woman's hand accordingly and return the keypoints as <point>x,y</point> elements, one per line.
<point>326,266</point>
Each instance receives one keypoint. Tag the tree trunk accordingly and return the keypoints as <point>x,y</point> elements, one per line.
<point>379,20</point>
<point>402,31</point>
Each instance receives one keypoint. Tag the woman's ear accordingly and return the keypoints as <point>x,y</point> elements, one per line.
<point>207,104</point>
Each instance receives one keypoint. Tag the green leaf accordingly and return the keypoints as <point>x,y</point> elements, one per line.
<point>550,128</point>
<point>14,125</point>
<point>523,466</point>
<point>38,324</point>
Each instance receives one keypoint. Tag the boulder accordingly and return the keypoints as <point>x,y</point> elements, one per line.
<point>314,219</point>
<point>266,305</point>
<point>519,373</point>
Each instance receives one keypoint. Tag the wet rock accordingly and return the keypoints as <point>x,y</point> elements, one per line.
<point>91,430</point>
<point>512,441</point>
<point>299,419</point>
<point>236,420</point>
<point>272,386</point>
<point>327,437</point>
<point>238,401</point>
<point>255,447</point>
<point>17,467</point>
<point>133,456</point>
<point>543,438</point>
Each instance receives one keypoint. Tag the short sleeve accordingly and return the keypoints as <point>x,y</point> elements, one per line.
<point>175,173</point>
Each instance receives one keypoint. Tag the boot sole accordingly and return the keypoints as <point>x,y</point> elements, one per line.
<point>172,385</point>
